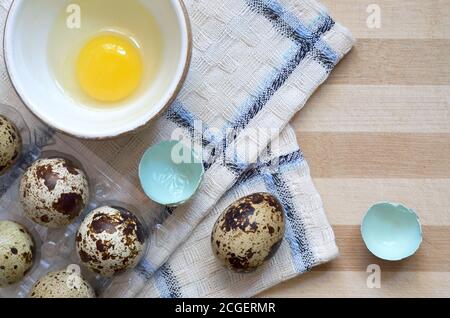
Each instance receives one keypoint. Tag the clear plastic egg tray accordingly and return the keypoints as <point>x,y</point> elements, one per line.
<point>55,248</point>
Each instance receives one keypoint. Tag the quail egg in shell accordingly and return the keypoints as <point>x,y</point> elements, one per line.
<point>62,284</point>
<point>16,252</point>
<point>10,144</point>
<point>110,240</point>
<point>249,232</point>
<point>54,192</point>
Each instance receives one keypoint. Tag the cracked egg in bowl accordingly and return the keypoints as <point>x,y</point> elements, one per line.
<point>97,68</point>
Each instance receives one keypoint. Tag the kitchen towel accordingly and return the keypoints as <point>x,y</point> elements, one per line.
<point>255,64</point>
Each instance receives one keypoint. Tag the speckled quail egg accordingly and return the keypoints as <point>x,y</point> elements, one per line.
<point>110,240</point>
<point>248,232</point>
<point>16,252</point>
<point>10,144</point>
<point>53,192</point>
<point>62,284</point>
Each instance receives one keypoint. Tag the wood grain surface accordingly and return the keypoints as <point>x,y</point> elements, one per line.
<point>379,129</point>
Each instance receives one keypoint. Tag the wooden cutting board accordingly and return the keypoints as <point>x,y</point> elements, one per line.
<point>379,129</point>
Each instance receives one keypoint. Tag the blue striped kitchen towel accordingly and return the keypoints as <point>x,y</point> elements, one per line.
<point>255,64</point>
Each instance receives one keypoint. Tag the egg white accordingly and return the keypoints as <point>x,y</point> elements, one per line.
<point>127,18</point>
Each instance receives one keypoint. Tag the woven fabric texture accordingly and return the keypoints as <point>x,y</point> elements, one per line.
<point>255,64</point>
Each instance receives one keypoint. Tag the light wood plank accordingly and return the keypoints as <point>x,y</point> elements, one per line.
<point>396,62</point>
<point>376,108</point>
<point>353,284</point>
<point>372,155</point>
<point>429,197</point>
<point>432,256</point>
<point>412,19</point>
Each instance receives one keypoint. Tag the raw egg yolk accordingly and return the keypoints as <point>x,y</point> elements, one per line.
<point>109,68</point>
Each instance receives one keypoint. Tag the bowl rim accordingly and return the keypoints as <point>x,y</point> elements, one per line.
<point>150,195</point>
<point>187,54</point>
<point>394,205</point>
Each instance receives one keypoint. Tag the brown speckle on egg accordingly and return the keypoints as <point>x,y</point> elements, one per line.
<point>10,144</point>
<point>16,252</point>
<point>62,284</point>
<point>54,192</point>
<point>249,232</point>
<point>110,240</point>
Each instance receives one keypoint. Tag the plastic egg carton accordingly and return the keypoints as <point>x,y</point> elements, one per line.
<point>55,248</point>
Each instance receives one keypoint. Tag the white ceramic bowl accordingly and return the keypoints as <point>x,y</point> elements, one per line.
<point>26,42</point>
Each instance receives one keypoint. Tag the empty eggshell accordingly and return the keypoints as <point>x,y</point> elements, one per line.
<point>10,144</point>
<point>249,232</point>
<point>16,252</point>
<point>53,192</point>
<point>391,231</point>
<point>62,284</point>
<point>110,240</point>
